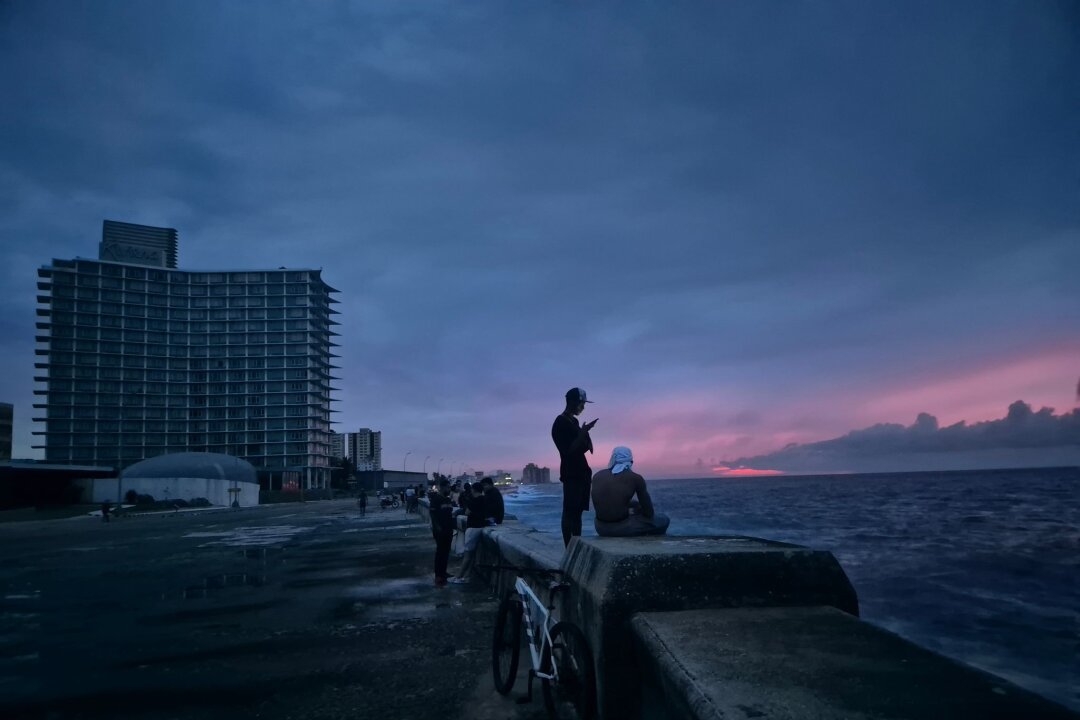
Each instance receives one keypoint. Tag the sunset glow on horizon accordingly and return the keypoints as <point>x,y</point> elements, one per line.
<point>744,472</point>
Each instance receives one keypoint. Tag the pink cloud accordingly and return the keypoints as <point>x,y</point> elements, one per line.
<point>722,471</point>
<point>1042,379</point>
<point>669,434</point>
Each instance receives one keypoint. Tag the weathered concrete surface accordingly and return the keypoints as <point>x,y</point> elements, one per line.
<point>616,577</point>
<point>283,611</point>
<point>809,664</point>
<point>515,544</point>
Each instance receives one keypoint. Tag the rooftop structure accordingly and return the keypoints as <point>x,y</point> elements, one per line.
<point>138,244</point>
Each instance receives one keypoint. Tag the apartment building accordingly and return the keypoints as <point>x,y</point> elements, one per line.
<point>137,359</point>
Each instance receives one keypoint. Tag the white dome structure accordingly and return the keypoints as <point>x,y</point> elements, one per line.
<point>221,479</point>
<point>209,466</point>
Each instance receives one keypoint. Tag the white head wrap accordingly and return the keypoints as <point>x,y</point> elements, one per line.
<point>621,459</point>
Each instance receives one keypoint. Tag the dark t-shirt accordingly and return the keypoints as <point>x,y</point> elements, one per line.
<point>478,512</point>
<point>496,508</point>
<point>572,443</point>
<point>442,514</point>
<point>574,471</point>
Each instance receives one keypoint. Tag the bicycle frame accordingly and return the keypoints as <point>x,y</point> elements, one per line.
<point>556,649</point>
<point>536,618</point>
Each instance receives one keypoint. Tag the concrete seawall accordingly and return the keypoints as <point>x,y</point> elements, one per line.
<point>700,628</point>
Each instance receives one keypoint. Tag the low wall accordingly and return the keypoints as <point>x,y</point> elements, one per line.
<point>703,628</point>
<point>808,662</point>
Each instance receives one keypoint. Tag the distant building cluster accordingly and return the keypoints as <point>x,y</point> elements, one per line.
<point>138,359</point>
<point>363,448</point>
<point>533,475</point>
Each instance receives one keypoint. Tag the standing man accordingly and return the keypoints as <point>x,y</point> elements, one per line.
<point>573,442</point>
<point>442,528</point>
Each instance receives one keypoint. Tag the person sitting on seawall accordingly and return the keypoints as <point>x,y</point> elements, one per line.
<point>613,490</point>
<point>476,520</point>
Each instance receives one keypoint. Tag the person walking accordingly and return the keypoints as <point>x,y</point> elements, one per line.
<point>362,502</point>
<point>573,441</point>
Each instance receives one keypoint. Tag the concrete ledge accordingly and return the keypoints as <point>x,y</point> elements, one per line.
<point>815,662</point>
<point>515,544</point>
<point>613,578</point>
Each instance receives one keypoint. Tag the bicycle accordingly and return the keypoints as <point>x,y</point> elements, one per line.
<point>559,650</point>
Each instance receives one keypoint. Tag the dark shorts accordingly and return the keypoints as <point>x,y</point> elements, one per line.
<point>575,497</point>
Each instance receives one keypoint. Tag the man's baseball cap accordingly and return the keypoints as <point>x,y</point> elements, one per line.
<point>576,395</point>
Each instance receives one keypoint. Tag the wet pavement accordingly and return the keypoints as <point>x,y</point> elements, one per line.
<point>283,611</point>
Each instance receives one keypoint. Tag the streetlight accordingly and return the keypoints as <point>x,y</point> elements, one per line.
<point>403,460</point>
<point>439,466</point>
<point>425,464</point>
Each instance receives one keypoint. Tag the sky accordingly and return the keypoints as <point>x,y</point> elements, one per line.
<point>738,226</point>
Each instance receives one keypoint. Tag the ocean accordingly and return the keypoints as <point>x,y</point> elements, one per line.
<point>981,566</point>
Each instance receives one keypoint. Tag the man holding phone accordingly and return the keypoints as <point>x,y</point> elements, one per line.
<point>573,441</point>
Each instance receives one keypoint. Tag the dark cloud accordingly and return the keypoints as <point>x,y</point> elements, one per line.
<point>1022,438</point>
<point>780,198</point>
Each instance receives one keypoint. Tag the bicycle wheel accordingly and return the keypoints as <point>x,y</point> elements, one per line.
<point>506,648</point>
<point>573,694</point>
<point>397,504</point>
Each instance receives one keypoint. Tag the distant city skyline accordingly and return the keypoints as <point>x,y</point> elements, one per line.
<point>738,226</point>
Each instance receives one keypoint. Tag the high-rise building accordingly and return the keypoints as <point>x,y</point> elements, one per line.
<point>533,475</point>
<point>365,449</point>
<point>7,416</point>
<point>337,445</point>
<point>137,360</point>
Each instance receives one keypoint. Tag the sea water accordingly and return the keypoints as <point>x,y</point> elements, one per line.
<point>983,567</point>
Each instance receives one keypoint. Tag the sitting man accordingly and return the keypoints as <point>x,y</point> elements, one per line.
<point>476,520</point>
<point>617,514</point>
